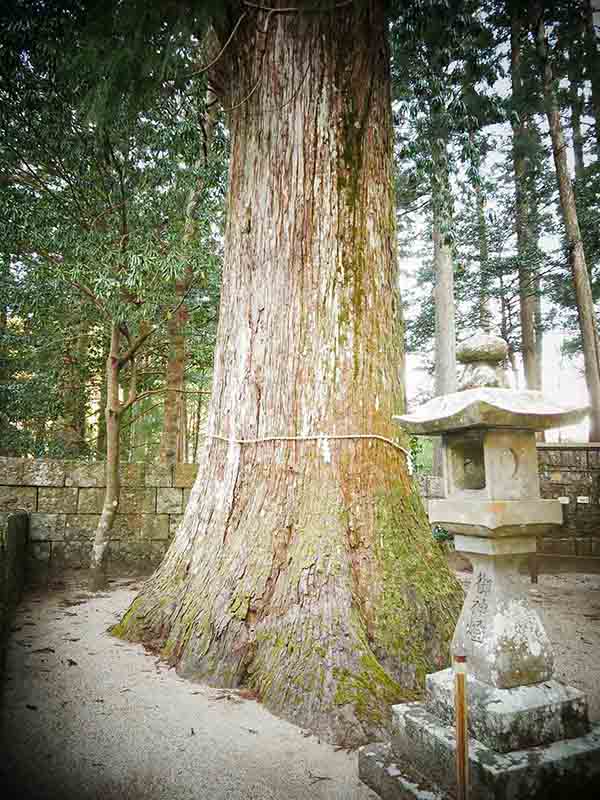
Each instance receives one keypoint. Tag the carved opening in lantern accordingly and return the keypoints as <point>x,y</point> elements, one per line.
<point>466,462</point>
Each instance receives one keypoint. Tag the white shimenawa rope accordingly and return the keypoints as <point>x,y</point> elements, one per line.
<point>323,438</point>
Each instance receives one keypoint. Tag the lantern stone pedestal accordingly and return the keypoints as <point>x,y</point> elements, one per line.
<point>530,736</point>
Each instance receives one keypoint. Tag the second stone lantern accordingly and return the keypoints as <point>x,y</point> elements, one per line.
<point>528,728</point>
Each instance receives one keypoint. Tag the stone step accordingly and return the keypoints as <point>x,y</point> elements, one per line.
<point>512,719</point>
<point>570,767</point>
<point>391,781</point>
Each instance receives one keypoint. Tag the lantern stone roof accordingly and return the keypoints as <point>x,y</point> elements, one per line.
<point>487,407</point>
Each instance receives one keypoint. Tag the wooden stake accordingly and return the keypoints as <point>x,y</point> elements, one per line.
<point>462,737</point>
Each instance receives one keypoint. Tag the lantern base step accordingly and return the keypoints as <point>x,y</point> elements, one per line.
<point>426,745</point>
<point>390,779</point>
<point>512,719</point>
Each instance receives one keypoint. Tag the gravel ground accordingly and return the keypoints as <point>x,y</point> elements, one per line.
<point>87,716</point>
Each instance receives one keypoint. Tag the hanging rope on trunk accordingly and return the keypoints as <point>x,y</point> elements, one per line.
<point>324,438</point>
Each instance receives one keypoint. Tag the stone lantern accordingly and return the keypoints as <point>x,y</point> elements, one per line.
<point>526,726</point>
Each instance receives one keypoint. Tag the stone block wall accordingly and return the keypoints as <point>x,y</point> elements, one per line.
<point>64,500</point>
<point>571,473</point>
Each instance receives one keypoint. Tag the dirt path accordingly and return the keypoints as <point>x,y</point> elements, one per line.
<point>86,716</point>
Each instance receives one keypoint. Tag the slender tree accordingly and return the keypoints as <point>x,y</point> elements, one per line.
<point>521,120</point>
<point>577,259</point>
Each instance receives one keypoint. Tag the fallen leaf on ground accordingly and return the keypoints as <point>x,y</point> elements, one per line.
<point>317,778</point>
<point>44,650</point>
<point>247,694</point>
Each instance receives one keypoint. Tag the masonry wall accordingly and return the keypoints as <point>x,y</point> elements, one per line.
<point>64,500</point>
<point>571,473</point>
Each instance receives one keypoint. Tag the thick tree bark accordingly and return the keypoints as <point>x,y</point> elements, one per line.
<point>113,488</point>
<point>581,278</point>
<point>526,243</point>
<point>306,569</point>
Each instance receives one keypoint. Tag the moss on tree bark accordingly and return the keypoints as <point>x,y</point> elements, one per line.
<point>304,570</point>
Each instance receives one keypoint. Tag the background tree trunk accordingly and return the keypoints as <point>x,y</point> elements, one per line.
<point>74,390</point>
<point>484,314</point>
<point>113,488</point>
<point>526,244</point>
<point>306,570</point>
<point>173,445</point>
<point>5,427</point>
<point>443,294</point>
<point>592,19</point>
<point>171,432</point>
<point>581,278</point>
<point>101,437</point>
<point>576,101</point>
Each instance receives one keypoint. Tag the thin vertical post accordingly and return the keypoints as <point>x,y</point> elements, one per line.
<point>462,738</point>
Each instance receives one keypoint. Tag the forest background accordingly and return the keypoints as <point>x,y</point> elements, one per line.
<point>113,233</point>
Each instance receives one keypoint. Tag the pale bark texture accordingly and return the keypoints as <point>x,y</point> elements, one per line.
<point>113,488</point>
<point>581,278</point>
<point>445,336</point>
<point>101,436</point>
<point>443,293</point>
<point>526,241</point>
<point>576,101</point>
<point>306,570</point>
<point>483,308</point>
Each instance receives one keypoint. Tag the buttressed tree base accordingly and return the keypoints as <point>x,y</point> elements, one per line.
<point>305,569</point>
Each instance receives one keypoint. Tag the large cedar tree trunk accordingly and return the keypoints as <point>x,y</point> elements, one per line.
<point>306,571</point>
